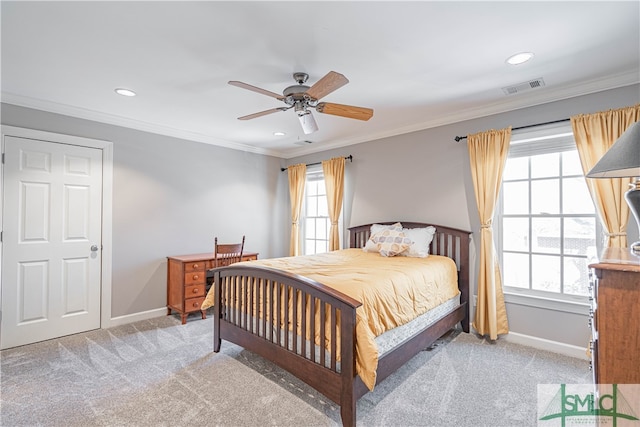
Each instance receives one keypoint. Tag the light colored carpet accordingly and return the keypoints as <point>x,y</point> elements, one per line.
<point>161,373</point>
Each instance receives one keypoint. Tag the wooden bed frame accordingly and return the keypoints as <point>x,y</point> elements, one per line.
<point>236,293</point>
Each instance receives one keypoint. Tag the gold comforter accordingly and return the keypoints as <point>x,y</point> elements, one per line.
<point>392,290</point>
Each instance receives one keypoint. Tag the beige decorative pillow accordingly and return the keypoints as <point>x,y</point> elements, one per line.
<point>371,246</point>
<point>391,242</point>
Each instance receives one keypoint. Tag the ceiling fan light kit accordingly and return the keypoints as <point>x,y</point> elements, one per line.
<point>308,122</point>
<point>302,98</point>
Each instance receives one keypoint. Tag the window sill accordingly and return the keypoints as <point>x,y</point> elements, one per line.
<point>566,306</point>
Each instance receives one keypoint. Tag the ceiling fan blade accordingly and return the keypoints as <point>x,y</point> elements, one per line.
<point>308,123</point>
<point>349,111</point>
<point>256,89</point>
<point>330,82</point>
<point>262,113</point>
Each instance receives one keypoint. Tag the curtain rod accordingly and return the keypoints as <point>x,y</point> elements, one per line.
<point>459,138</point>
<point>349,157</point>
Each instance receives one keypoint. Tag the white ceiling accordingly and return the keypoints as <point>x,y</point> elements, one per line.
<point>418,64</point>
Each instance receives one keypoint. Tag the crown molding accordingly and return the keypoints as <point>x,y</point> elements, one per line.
<point>82,113</point>
<point>509,103</point>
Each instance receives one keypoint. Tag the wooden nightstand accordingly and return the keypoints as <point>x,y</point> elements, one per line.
<point>186,281</point>
<point>615,307</point>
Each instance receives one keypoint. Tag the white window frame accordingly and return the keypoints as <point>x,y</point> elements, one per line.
<point>315,173</point>
<point>547,138</point>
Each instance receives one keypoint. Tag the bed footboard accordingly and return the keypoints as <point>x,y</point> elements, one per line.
<point>301,325</point>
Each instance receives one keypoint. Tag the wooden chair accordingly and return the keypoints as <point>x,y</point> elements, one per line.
<point>223,255</point>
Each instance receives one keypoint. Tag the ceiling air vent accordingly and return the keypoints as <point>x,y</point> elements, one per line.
<point>305,142</point>
<point>522,87</point>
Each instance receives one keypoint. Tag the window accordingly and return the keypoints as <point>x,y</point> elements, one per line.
<point>315,214</point>
<point>546,231</point>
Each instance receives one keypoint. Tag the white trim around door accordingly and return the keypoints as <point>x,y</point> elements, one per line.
<point>107,200</point>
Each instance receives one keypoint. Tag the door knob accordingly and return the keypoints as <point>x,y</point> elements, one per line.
<point>94,248</point>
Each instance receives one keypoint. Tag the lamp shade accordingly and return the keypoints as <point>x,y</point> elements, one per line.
<point>622,160</point>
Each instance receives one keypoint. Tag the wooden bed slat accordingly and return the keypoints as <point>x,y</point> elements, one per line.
<point>263,318</point>
<point>295,316</point>
<point>278,318</point>
<point>303,332</point>
<point>333,342</point>
<point>287,295</point>
<point>321,331</point>
<point>312,329</point>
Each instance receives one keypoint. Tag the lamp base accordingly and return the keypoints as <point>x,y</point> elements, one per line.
<point>632,197</point>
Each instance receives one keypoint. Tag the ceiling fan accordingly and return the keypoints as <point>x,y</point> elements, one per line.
<point>303,98</point>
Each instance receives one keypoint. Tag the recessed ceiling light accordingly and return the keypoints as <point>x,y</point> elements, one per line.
<point>125,92</point>
<point>279,134</point>
<point>519,58</point>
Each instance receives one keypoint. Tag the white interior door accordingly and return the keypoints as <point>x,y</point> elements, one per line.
<point>51,278</point>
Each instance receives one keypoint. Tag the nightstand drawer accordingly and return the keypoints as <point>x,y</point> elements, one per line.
<point>195,278</point>
<point>194,291</point>
<point>193,304</point>
<point>194,266</point>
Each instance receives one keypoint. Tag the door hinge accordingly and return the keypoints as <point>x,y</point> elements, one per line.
<point>3,158</point>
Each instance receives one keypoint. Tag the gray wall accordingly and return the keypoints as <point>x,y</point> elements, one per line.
<point>171,197</point>
<point>425,176</point>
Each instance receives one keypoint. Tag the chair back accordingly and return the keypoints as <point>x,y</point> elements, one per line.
<point>227,253</point>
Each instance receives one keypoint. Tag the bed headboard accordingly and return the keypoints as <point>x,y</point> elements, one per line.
<point>447,241</point>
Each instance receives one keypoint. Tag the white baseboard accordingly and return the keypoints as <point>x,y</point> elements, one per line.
<point>514,337</point>
<point>130,318</point>
<point>544,344</point>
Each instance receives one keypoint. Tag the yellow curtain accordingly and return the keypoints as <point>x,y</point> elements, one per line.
<point>594,135</point>
<point>334,182</point>
<point>297,180</point>
<point>488,154</point>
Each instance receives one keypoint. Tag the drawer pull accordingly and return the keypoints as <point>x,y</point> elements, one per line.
<point>195,290</point>
<point>195,277</point>
<point>196,304</point>
<point>195,266</point>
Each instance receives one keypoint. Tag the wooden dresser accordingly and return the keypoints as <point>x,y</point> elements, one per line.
<point>615,318</point>
<point>186,281</point>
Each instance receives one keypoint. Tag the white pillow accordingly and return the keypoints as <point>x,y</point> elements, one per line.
<point>421,238</point>
<point>372,246</point>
